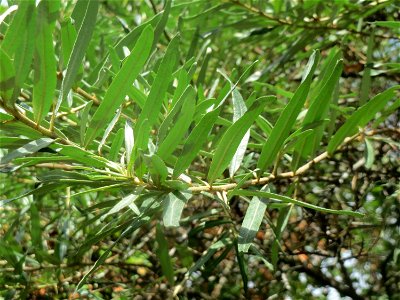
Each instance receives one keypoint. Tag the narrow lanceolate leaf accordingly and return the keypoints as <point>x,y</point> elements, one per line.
<point>157,168</point>
<point>29,148</point>
<point>159,30</point>
<point>231,139</point>
<point>361,117</point>
<point>174,203</point>
<point>18,42</point>
<point>7,78</point>
<point>119,86</point>
<point>160,85</point>
<point>286,199</point>
<point>45,78</point>
<point>288,117</point>
<point>84,120</point>
<point>163,255</point>
<point>317,112</point>
<point>68,37</point>
<point>180,127</point>
<point>239,108</point>
<point>129,140</point>
<point>251,223</point>
<point>116,145</point>
<point>109,129</point>
<point>195,141</point>
<point>125,202</point>
<point>83,38</point>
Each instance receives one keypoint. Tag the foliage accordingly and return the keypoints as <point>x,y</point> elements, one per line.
<point>201,149</point>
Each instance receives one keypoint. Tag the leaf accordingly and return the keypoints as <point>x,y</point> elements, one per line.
<point>287,118</point>
<point>7,78</point>
<point>68,37</point>
<point>108,130</point>
<point>160,85</point>
<point>119,86</point>
<point>286,199</point>
<point>242,267</point>
<point>163,255</point>
<point>178,130</point>
<point>116,145</point>
<point>317,112</point>
<point>157,168</point>
<point>159,30</point>
<point>27,149</point>
<point>84,119</point>
<point>239,109</point>
<point>22,42</point>
<point>174,203</point>
<point>369,153</point>
<point>388,24</point>
<point>81,43</point>
<point>361,117</point>
<point>195,141</point>
<point>231,139</point>
<point>251,223</point>
<point>129,139</point>
<point>126,201</point>
<point>45,79</point>
<point>366,78</point>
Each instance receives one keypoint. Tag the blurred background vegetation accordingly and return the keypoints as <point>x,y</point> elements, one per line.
<point>320,256</point>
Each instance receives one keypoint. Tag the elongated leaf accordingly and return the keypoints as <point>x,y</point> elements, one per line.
<point>195,141</point>
<point>81,43</point>
<point>231,139</point>
<point>118,88</point>
<point>125,202</point>
<point>68,37</point>
<point>7,77</point>
<point>45,78</point>
<point>84,120</point>
<point>29,148</point>
<point>129,139</point>
<point>163,255</point>
<point>160,85</point>
<point>239,109</point>
<point>361,117</point>
<point>159,30</point>
<point>158,169</point>
<point>286,199</point>
<point>116,145</point>
<point>388,24</point>
<point>109,129</point>
<point>317,112</point>
<point>179,129</point>
<point>173,204</point>
<point>23,57</point>
<point>251,223</point>
<point>288,117</point>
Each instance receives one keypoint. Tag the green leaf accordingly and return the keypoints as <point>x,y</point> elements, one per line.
<point>369,153</point>
<point>231,139</point>
<point>84,120</point>
<point>119,86</point>
<point>68,37</point>
<point>239,109</point>
<point>29,148</point>
<point>159,30</point>
<point>24,54</point>
<point>287,118</point>
<point>180,127</point>
<point>116,145</point>
<point>286,199</point>
<point>361,117</point>
<point>126,201</point>
<point>173,204</point>
<point>7,78</point>
<point>195,141</point>
<point>45,77</point>
<point>81,43</point>
<point>160,85</point>
<point>388,24</point>
<point>157,168</point>
<point>163,255</point>
<point>251,223</point>
<point>317,112</point>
